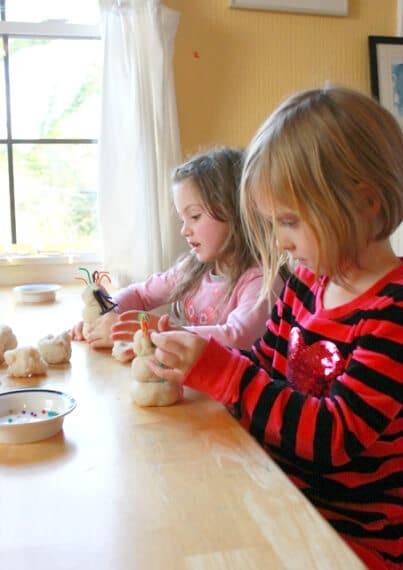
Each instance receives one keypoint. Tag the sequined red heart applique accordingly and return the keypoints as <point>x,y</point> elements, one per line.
<point>312,369</point>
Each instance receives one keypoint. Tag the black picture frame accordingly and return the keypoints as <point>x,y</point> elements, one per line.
<point>386,73</point>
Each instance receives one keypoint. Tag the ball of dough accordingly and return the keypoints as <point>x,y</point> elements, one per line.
<point>55,349</point>
<point>8,340</point>
<point>141,372</point>
<point>163,393</point>
<point>144,351</point>
<point>142,344</point>
<point>25,361</point>
<point>122,351</point>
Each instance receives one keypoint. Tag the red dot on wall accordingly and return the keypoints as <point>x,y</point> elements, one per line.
<point>196,54</point>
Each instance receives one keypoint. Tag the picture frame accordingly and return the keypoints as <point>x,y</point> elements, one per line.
<point>386,73</point>
<point>324,7</point>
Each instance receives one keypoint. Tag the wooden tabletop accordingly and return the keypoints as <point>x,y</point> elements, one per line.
<point>122,488</point>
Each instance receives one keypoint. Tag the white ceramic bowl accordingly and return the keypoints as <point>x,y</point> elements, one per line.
<point>36,292</point>
<point>32,414</point>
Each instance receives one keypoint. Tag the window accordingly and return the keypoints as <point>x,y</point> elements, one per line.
<point>50,77</point>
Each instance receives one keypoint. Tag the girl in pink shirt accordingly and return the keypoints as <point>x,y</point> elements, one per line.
<point>213,290</point>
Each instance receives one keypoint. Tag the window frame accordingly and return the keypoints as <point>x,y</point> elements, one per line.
<point>59,29</point>
<point>49,29</point>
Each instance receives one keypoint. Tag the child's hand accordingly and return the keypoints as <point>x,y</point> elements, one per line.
<point>129,323</point>
<point>99,332</point>
<point>77,332</point>
<point>177,351</point>
<point>164,324</point>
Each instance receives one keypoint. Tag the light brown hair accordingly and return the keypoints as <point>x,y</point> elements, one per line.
<point>217,175</point>
<point>320,153</point>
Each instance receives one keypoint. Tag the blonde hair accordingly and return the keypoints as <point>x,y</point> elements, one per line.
<point>217,175</point>
<point>320,153</point>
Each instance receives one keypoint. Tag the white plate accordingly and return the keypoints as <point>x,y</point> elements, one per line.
<point>36,292</point>
<point>32,414</point>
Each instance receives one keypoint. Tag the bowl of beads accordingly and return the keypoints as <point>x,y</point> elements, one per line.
<point>32,414</point>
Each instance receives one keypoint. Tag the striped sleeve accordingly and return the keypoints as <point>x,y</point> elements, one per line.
<point>327,431</point>
<point>343,449</point>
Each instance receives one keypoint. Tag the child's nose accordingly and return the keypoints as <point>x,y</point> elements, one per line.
<point>185,230</point>
<point>285,243</point>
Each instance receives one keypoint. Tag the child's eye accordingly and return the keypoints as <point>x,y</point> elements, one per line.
<point>289,223</point>
<point>195,217</point>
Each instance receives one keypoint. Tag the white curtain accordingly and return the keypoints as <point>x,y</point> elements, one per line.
<point>139,139</point>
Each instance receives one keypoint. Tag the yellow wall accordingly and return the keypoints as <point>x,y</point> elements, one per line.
<point>250,60</point>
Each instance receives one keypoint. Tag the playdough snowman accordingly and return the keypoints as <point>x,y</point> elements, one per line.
<point>147,389</point>
<point>97,300</point>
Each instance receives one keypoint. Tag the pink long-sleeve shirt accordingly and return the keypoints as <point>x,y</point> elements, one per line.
<point>235,322</point>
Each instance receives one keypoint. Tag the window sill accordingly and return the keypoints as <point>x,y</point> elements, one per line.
<point>58,268</point>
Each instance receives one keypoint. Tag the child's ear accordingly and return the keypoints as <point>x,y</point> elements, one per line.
<point>368,199</point>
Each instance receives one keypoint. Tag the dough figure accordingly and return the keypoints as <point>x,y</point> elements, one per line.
<point>8,340</point>
<point>55,349</point>
<point>162,393</point>
<point>97,300</point>
<point>147,389</point>
<point>25,361</point>
<point>122,351</point>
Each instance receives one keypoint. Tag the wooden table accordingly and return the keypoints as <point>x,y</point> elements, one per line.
<point>122,488</point>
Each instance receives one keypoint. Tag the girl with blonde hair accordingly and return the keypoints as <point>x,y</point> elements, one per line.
<point>322,389</point>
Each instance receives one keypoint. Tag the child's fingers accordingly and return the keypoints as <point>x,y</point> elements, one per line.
<point>129,315</point>
<point>127,326</point>
<point>170,358</point>
<point>178,350</point>
<point>170,341</point>
<point>77,331</point>
<point>135,316</point>
<point>127,336</point>
<point>167,373</point>
<point>75,335</point>
<point>173,340</point>
<point>124,331</point>
<point>99,343</point>
<point>164,324</point>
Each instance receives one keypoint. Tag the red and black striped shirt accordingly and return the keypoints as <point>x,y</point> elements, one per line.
<point>322,392</point>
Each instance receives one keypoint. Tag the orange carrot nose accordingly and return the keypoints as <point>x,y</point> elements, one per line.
<point>144,326</point>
